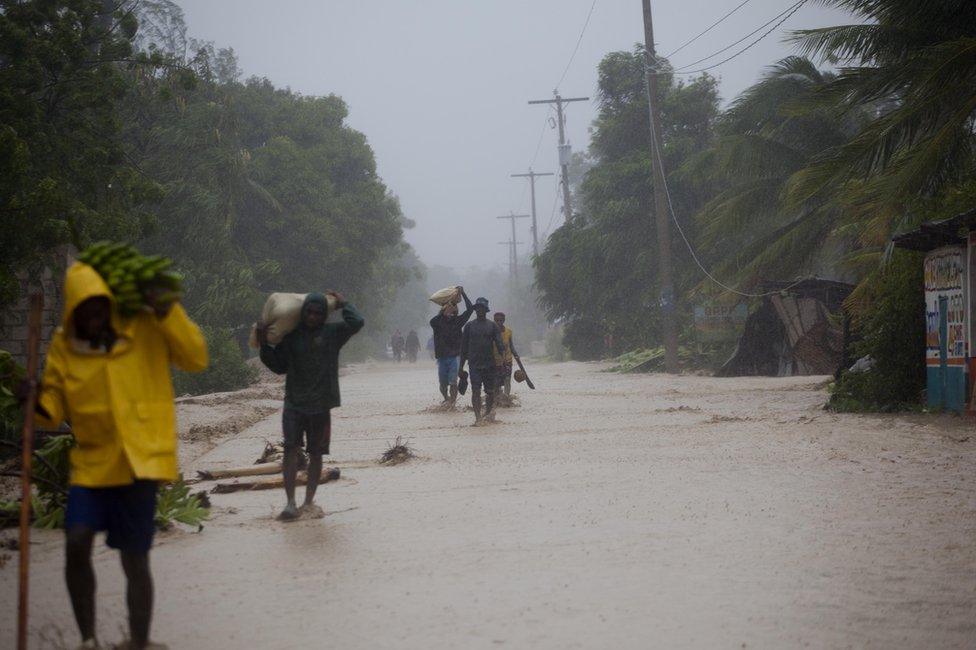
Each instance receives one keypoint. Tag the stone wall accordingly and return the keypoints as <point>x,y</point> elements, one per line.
<point>13,317</point>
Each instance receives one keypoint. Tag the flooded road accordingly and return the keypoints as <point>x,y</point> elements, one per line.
<point>608,511</point>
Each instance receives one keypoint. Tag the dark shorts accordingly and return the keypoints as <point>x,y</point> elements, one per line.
<point>315,430</point>
<point>483,377</point>
<point>127,513</point>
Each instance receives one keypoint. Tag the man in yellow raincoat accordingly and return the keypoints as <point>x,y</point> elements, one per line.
<point>503,362</point>
<point>109,378</point>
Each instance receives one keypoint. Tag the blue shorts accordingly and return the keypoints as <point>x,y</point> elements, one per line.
<point>447,370</point>
<point>127,512</point>
<point>483,377</point>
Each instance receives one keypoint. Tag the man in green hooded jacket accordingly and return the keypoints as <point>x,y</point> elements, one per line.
<point>309,359</point>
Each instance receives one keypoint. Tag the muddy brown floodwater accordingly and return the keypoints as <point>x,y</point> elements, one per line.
<point>609,511</point>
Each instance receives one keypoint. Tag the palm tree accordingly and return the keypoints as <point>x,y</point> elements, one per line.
<point>914,64</point>
<point>767,137</point>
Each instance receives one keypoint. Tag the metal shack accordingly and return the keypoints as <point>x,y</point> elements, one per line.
<point>949,284</point>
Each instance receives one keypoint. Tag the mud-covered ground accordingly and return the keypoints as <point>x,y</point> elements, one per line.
<point>608,511</point>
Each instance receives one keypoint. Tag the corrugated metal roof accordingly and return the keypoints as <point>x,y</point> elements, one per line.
<point>936,234</point>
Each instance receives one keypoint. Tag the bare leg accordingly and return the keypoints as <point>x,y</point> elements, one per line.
<point>314,475</point>
<point>490,402</point>
<point>80,576</point>
<point>454,393</point>
<point>476,404</point>
<point>444,391</point>
<point>139,596</point>
<point>508,385</point>
<point>289,471</point>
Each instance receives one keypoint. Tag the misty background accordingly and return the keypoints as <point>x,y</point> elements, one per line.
<point>439,88</point>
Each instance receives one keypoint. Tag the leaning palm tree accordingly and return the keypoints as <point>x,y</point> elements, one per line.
<point>767,137</point>
<point>914,64</point>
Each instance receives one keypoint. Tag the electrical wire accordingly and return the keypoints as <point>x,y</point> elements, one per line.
<point>578,41</point>
<point>538,147</point>
<point>691,249</point>
<point>708,29</point>
<point>782,17</point>
<point>552,215</point>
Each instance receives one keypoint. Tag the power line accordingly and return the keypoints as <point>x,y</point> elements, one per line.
<point>691,249</point>
<point>552,216</point>
<point>782,17</point>
<point>578,41</point>
<point>708,29</point>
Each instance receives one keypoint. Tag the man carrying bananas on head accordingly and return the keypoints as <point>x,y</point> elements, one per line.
<point>108,375</point>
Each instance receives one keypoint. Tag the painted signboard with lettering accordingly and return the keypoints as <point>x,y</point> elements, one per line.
<point>716,321</point>
<point>945,327</point>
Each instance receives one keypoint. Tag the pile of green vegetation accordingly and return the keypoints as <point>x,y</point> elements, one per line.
<point>692,356</point>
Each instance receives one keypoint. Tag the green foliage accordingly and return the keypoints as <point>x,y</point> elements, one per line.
<point>51,468</point>
<point>598,273</point>
<point>555,350</point>
<point>228,369</point>
<point>767,137</point>
<point>65,174</point>
<point>119,126</point>
<point>915,62</point>
<point>892,330</point>
<point>175,503</point>
<point>11,375</point>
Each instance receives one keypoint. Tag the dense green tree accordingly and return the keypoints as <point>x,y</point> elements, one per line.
<point>65,172</point>
<point>598,272</point>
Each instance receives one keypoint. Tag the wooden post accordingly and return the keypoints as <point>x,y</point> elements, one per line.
<point>33,354</point>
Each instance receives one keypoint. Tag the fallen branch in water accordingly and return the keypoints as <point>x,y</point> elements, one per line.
<point>270,483</point>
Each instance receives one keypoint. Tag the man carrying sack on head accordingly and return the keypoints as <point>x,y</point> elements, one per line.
<point>308,356</point>
<point>109,378</point>
<point>479,341</point>
<point>447,345</point>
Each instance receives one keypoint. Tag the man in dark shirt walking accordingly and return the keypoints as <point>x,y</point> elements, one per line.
<point>309,358</point>
<point>480,339</point>
<point>447,344</point>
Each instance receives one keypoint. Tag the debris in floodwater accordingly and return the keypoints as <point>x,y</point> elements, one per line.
<point>399,452</point>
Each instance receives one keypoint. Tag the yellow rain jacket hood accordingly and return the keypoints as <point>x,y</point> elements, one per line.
<point>119,403</point>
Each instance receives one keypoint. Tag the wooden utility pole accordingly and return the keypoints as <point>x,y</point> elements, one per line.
<point>512,216</point>
<point>512,245</point>
<point>535,228</point>
<point>565,151</point>
<point>662,217</point>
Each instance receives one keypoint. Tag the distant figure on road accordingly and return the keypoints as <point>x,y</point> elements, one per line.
<point>412,346</point>
<point>430,347</point>
<point>503,362</point>
<point>480,340</point>
<point>447,344</point>
<point>396,343</point>
<point>309,359</point>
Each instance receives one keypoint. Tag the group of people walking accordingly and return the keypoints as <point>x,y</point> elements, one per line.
<point>409,345</point>
<point>109,377</point>
<point>487,347</point>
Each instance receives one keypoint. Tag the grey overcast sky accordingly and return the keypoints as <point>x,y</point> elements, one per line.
<point>439,87</point>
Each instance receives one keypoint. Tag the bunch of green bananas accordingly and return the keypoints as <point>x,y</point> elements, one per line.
<point>129,274</point>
